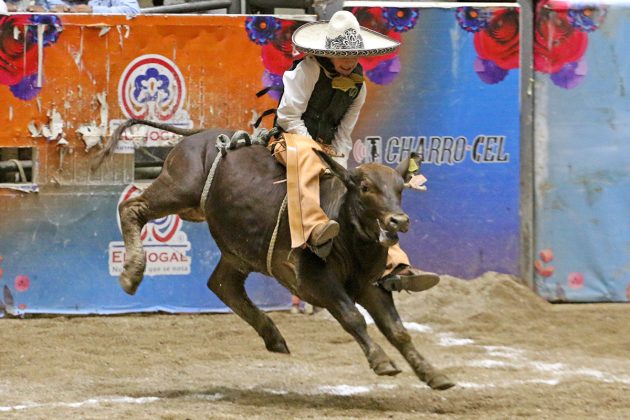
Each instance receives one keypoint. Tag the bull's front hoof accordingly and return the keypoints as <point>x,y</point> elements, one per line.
<point>278,347</point>
<point>386,369</point>
<point>129,286</point>
<point>440,382</point>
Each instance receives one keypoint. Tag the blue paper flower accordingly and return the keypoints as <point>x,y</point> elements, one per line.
<point>261,29</point>
<point>587,19</point>
<point>473,19</point>
<point>26,89</point>
<point>52,31</point>
<point>401,19</point>
<point>488,71</point>
<point>385,72</point>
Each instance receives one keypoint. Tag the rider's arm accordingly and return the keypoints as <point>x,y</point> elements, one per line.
<point>298,87</point>
<point>343,136</point>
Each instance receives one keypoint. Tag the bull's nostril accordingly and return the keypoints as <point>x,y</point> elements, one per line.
<point>399,222</point>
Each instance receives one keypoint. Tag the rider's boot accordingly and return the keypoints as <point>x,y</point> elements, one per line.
<point>408,278</point>
<point>323,233</point>
<point>320,241</point>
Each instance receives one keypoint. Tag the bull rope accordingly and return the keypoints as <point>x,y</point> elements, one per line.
<point>206,187</point>
<point>274,236</point>
<point>206,191</point>
<point>223,143</point>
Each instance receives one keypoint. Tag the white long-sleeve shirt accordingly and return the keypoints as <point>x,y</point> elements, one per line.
<point>298,88</point>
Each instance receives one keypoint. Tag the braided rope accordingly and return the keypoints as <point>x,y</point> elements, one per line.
<point>206,187</point>
<point>274,236</point>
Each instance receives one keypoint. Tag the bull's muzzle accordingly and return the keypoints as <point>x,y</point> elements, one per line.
<point>388,230</point>
<point>398,222</point>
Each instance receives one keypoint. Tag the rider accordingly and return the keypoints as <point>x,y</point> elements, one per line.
<point>323,95</point>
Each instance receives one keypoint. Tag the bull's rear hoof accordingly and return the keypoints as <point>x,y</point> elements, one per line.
<point>441,383</point>
<point>386,369</point>
<point>130,287</point>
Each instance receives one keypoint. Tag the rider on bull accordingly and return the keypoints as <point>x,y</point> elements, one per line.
<point>323,95</point>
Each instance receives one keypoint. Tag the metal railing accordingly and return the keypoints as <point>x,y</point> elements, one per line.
<point>192,7</point>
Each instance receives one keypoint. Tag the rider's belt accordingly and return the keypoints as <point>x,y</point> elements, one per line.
<point>329,149</point>
<point>278,146</point>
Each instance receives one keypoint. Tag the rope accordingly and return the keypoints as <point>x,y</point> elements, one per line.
<point>274,236</point>
<point>206,187</point>
<point>20,169</point>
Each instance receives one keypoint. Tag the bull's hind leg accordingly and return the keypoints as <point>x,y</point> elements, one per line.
<point>158,200</point>
<point>228,283</point>
<point>380,305</point>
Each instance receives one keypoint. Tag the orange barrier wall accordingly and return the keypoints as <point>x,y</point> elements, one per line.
<point>80,61</point>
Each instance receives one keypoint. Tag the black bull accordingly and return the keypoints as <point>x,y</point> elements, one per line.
<point>242,209</point>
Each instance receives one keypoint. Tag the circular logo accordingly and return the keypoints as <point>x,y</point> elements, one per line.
<point>151,87</point>
<point>159,230</point>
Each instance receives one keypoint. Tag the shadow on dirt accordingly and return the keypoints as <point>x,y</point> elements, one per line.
<point>411,400</point>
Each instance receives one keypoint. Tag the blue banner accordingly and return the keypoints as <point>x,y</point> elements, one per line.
<point>582,152</point>
<point>451,93</point>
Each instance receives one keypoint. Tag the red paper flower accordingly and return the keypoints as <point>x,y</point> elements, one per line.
<point>575,280</point>
<point>499,42</point>
<point>274,60</point>
<point>368,63</point>
<point>18,58</point>
<point>543,270</point>
<point>556,41</point>
<point>22,283</point>
<point>372,18</point>
<point>546,255</point>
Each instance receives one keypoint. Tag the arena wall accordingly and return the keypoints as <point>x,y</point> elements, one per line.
<point>582,152</point>
<point>450,92</point>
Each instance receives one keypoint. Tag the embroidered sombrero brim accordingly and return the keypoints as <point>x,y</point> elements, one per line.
<point>310,38</point>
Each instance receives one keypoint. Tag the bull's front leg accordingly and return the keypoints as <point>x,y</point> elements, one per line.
<point>353,322</point>
<point>380,305</point>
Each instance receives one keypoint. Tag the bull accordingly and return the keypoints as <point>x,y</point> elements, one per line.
<point>243,206</point>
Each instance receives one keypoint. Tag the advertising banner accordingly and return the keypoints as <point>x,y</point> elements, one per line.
<point>449,93</point>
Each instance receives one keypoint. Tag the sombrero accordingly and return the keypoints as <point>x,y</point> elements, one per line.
<point>341,37</point>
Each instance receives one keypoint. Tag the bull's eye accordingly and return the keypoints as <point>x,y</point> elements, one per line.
<point>364,187</point>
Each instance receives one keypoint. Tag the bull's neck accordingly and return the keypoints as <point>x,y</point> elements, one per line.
<point>353,245</point>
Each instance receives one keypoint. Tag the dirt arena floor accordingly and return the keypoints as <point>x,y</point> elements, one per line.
<point>511,354</point>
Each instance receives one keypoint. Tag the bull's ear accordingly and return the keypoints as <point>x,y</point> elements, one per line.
<point>339,171</point>
<point>409,166</point>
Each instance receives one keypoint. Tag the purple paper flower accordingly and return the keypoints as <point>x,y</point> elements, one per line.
<point>273,81</point>
<point>385,72</point>
<point>570,75</point>
<point>473,19</point>
<point>488,71</point>
<point>26,88</point>
<point>588,18</point>
<point>261,29</point>
<point>52,31</point>
<point>401,19</point>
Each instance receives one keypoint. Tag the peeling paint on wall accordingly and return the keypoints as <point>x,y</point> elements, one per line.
<point>91,134</point>
<point>51,131</point>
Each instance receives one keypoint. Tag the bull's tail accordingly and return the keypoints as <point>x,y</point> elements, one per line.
<point>115,137</point>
